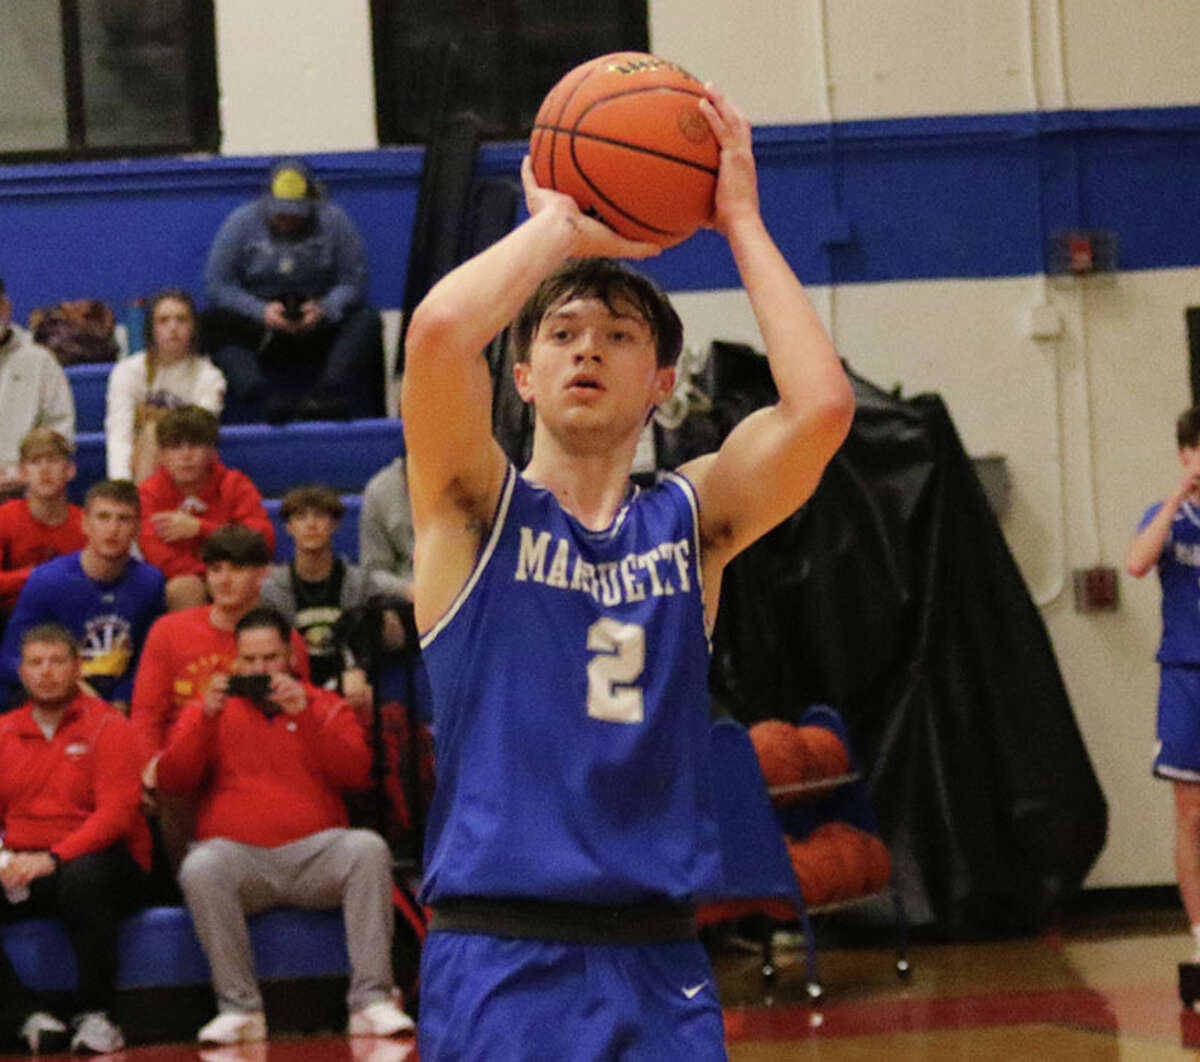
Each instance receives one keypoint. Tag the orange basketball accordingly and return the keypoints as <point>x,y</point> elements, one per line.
<point>781,755</point>
<point>623,135</point>
<point>825,751</point>
<point>879,863</point>
<point>816,873</point>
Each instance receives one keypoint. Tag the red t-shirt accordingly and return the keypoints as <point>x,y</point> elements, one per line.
<point>182,652</point>
<point>265,780</point>
<point>26,542</point>
<point>228,497</point>
<point>76,792</point>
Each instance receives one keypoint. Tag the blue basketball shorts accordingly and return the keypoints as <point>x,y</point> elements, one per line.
<point>497,998</point>
<point>1178,754</point>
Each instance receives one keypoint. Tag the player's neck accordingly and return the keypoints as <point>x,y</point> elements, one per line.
<point>591,487</point>
<point>52,511</point>
<point>102,569</point>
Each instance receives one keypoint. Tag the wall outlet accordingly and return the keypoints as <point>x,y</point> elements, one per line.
<point>1095,589</point>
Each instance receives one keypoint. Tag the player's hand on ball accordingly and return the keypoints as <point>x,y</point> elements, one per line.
<point>593,238</point>
<point>737,180</point>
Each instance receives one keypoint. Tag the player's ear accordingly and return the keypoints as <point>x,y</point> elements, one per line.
<point>664,384</point>
<point>522,382</point>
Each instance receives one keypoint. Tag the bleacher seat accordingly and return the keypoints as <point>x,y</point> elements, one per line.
<point>341,454</point>
<point>158,946</point>
<point>89,388</point>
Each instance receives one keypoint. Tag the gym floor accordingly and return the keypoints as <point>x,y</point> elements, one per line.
<point>1103,986</point>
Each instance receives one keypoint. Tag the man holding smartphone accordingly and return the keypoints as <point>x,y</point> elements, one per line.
<point>271,758</point>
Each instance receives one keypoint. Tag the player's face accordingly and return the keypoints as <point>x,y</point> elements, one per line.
<point>591,365</point>
<point>173,326</point>
<point>312,529</point>
<point>233,586</point>
<point>46,476</point>
<point>187,463</point>
<point>260,651</point>
<point>49,671</point>
<point>110,528</point>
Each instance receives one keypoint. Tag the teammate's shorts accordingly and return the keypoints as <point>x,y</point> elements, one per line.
<point>497,998</point>
<point>1178,754</point>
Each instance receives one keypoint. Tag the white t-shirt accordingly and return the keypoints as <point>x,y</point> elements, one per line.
<point>190,381</point>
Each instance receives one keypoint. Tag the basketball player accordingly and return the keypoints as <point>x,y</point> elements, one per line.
<point>1168,538</point>
<point>564,619</point>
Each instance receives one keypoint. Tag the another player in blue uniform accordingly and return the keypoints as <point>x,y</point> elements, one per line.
<point>564,620</point>
<point>1168,538</point>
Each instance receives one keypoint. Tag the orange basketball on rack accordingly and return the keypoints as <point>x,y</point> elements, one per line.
<point>879,863</point>
<point>826,752</point>
<point>624,136</point>
<point>782,755</point>
<point>816,873</point>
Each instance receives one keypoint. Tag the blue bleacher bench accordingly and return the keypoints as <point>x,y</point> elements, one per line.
<point>158,947</point>
<point>341,454</point>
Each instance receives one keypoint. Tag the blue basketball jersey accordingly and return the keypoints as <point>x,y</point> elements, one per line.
<point>571,718</point>
<point>1179,573</point>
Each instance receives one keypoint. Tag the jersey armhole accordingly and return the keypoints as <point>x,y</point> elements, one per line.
<point>485,555</point>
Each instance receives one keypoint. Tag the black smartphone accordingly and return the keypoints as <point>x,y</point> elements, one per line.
<point>256,687</point>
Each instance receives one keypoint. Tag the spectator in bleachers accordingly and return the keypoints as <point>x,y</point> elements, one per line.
<point>34,392</point>
<point>188,497</point>
<point>75,842</point>
<point>318,587</point>
<point>272,766</point>
<point>105,597</point>
<point>167,374</point>
<point>43,524</point>
<point>289,324</point>
<point>385,527</point>
<point>185,649</point>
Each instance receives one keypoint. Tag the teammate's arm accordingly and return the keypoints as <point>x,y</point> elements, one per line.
<point>1148,543</point>
<point>771,462</point>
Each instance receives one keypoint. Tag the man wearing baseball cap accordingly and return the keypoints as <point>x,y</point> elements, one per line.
<point>289,324</point>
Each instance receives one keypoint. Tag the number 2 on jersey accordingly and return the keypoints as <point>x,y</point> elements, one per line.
<point>620,656</point>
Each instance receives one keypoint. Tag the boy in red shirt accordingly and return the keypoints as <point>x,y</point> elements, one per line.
<point>185,649</point>
<point>188,497</point>
<point>271,767</point>
<point>74,837</point>
<point>43,524</point>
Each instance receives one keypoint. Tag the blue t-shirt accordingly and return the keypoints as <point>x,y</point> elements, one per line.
<point>1179,574</point>
<point>571,718</point>
<point>110,620</point>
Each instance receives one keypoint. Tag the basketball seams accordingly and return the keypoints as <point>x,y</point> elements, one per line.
<point>569,95</point>
<point>665,156</point>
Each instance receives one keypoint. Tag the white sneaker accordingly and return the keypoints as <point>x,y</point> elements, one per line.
<point>381,1018</point>
<point>95,1033</point>
<point>43,1032</point>
<point>234,1027</point>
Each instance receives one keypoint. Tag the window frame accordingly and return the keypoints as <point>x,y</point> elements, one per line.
<point>203,115</point>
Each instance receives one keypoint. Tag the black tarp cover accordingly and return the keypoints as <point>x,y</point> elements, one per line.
<point>892,596</point>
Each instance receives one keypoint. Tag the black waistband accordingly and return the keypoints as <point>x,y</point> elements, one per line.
<point>655,922</point>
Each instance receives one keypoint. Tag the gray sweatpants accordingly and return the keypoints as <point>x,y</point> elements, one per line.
<point>223,881</point>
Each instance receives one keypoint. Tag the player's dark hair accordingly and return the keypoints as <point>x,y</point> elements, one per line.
<point>265,618</point>
<point>615,285</point>
<point>238,544</point>
<point>1187,427</point>
<point>50,634</point>
<point>120,491</point>
<point>188,424</point>
<point>312,496</point>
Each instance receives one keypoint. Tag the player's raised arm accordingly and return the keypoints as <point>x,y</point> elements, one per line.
<point>772,461</point>
<point>455,466</point>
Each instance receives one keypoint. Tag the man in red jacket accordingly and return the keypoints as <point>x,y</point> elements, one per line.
<point>188,497</point>
<point>75,843</point>
<point>271,765</point>
<point>43,524</point>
